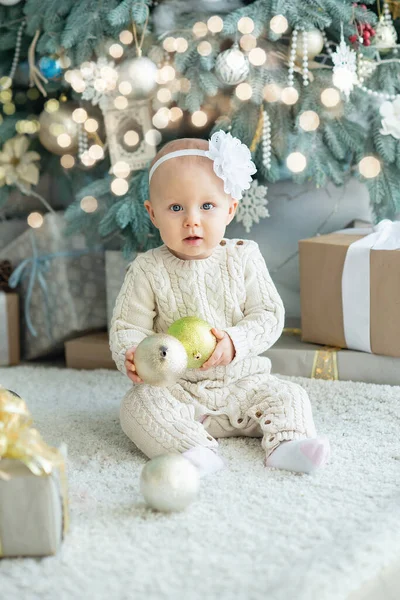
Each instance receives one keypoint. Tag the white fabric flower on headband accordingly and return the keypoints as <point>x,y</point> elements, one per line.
<point>232,163</point>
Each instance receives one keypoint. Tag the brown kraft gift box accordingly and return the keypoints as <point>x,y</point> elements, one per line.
<point>321,265</point>
<point>9,329</point>
<point>90,351</point>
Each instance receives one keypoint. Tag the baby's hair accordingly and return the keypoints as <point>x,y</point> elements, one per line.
<point>182,144</point>
<point>186,144</point>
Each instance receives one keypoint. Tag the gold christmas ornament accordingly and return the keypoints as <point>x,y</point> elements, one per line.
<point>160,360</point>
<point>169,483</point>
<point>315,43</point>
<point>197,339</point>
<point>58,131</point>
<point>17,165</point>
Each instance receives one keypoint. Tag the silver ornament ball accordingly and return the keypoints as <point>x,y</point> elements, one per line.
<point>160,359</point>
<point>9,2</point>
<point>169,483</point>
<point>141,73</point>
<point>232,66</point>
<point>315,43</point>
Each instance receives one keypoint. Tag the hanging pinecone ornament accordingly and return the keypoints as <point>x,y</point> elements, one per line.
<point>232,66</point>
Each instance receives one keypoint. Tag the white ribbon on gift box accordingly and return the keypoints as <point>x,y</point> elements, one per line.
<point>356,283</point>
<point>4,353</point>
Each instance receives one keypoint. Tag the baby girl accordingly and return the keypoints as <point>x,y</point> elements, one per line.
<point>195,188</point>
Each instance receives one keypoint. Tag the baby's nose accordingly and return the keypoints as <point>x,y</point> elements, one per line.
<point>192,220</point>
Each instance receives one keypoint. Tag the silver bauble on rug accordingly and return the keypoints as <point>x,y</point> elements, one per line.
<point>169,483</point>
<point>160,359</point>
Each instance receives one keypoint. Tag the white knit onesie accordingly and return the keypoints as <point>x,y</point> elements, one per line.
<point>233,291</point>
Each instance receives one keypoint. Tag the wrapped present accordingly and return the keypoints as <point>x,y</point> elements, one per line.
<point>293,357</point>
<point>11,229</point>
<point>350,289</point>
<point>116,267</point>
<point>9,319</point>
<point>61,284</point>
<point>91,351</point>
<point>34,514</point>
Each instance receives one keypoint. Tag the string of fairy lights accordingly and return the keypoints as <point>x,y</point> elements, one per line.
<point>164,83</point>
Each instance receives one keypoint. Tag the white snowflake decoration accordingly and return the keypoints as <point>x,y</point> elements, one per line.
<point>345,68</point>
<point>100,79</point>
<point>390,111</point>
<point>252,207</point>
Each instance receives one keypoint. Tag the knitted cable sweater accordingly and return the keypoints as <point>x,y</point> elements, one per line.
<point>231,290</point>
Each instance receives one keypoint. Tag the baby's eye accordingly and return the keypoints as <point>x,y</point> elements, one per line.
<point>175,207</point>
<point>207,205</point>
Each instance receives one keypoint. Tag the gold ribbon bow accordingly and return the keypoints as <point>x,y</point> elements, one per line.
<point>19,441</point>
<point>325,360</point>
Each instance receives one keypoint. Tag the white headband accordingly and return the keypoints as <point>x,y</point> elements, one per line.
<point>232,162</point>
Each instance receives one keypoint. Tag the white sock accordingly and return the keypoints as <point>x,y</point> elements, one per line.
<point>206,460</point>
<point>303,456</point>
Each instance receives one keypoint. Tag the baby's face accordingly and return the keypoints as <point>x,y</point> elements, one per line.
<point>189,207</point>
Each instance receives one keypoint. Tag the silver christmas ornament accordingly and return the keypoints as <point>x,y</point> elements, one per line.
<point>169,483</point>
<point>140,73</point>
<point>160,360</point>
<point>9,2</point>
<point>232,66</point>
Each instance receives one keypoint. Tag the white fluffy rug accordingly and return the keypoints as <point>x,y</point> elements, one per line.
<point>253,533</point>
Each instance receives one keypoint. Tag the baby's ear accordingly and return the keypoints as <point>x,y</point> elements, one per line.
<point>232,210</point>
<point>149,208</point>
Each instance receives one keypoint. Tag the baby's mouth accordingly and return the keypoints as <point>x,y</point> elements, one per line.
<point>193,237</point>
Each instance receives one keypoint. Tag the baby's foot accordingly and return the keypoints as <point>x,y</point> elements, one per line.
<point>206,460</point>
<point>303,456</point>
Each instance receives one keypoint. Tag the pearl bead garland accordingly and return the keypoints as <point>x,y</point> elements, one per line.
<point>266,140</point>
<point>17,52</point>
<point>326,44</point>
<point>378,94</point>
<point>305,58</point>
<point>83,143</point>
<point>292,57</point>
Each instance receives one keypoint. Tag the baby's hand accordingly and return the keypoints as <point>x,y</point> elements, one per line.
<point>224,352</point>
<point>130,366</point>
